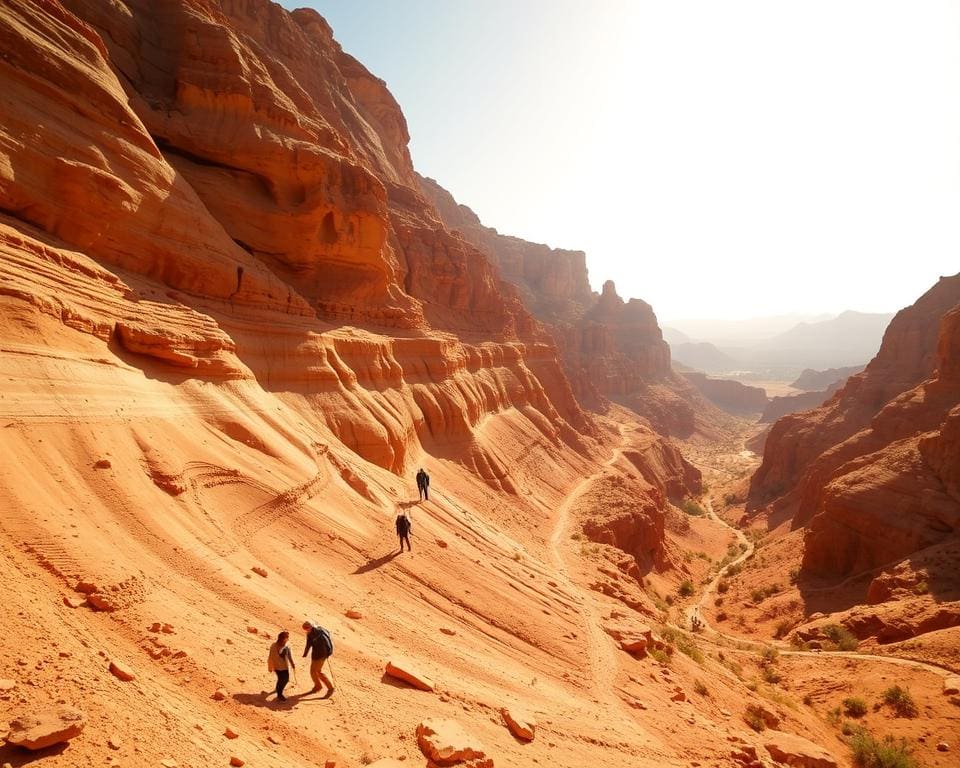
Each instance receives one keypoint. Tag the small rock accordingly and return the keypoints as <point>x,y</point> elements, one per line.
<point>169,763</point>
<point>101,602</point>
<point>85,586</point>
<point>167,629</point>
<point>114,742</point>
<point>678,695</point>
<point>408,672</point>
<point>793,750</point>
<point>353,613</point>
<point>259,571</point>
<point>442,544</point>
<point>951,685</point>
<point>72,602</point>
<point>253,630</point>
<point>230,733</point>
<point>102,464</point>
<point>7,685</point>
<point>942,746</point>
<point>445,743</point>
<point>44,729</point>
<point>236,761</point>
<point>220,694</point>
<point>155,627</point>
<point>521,723</point>
<point>273,739</point>
<point>448,631</point>
<point>121,671</point>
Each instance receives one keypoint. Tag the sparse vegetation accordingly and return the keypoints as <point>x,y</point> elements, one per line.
<point>721,616</point>
<point>683,643</point>
<point>730,499</point>
<point>900,701</point>
<point>735,569</point>
<point>659,656</point>
<point>869,752</point>
<point>854,707</point>
<point>772,675</point>
<point>783,628</point>
<point>808,700</point>
<point>692,508</point>
<point>700,688</point>
<point>686,588</point>
<point>722,587</point>
<point>841,637</point>
<point>921,588</point>
<point>794,575</point>
<point>762,593</point>
<point>753,716</point>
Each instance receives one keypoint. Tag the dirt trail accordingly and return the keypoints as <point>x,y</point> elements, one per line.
<point>711,632</point>
<point>601,654</point>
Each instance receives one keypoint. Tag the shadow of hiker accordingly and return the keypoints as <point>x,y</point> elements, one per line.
<point>408,504</point>
<point>376,563</point>
<point>269,701</point>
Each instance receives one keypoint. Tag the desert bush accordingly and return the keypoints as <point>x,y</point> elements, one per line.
<point>660,656</point>
<point>808,700</point>
<point>700,688</point>
<point>683,643</point>
<point>772,675</point>
<point>869,752</point>
<point>721,616</point>
<point>753,716</point>
<point>841,637</point>
<point>794,575</point>
<point>733,570</point>
<point>686,588</point>
<point>900,701</point>
<point>692,508</point>
<point>853,707</point>
<point>722,587</point>
<point>770,655</point>
<point>783,628</point>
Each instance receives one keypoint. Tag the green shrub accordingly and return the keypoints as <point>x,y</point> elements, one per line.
<point>733,570</point>
<point>692,508</point>
<point>853,707</point>
<point>722,587</point>
<point>700,688</point>
<point>683,643</point>
<point>868,752</point>
<point>841,637</point>
<point>783,628</point>
<point>686,588</point>
<point>660,656</point>
<point>900,701</point>
<point>771,675</point>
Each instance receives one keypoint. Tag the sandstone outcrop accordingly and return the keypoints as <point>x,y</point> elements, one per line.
<point>881,455</point>
<point>44,729</point>
<point>446,743</point>
<point>409,672</point>
<point>796,751</point>
<point>812,381</point>
<point>520,722</point>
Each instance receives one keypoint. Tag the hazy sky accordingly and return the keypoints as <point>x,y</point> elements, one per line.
<point>717,159</point>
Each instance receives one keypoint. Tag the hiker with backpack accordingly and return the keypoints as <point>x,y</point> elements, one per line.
<point>423,485</point>
<point>403,529</point>
<point>320,647</point>
<point>280,661</point>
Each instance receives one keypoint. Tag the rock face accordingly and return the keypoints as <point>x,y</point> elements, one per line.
<point>873,472</point>
<point>778,407</point>
<point>610,349</point>
<point>811,380</point>
<point>44,729</point>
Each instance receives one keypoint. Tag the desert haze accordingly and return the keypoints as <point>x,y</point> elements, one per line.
<point>237,322</point>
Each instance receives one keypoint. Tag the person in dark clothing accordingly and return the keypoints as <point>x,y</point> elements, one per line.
<point>423,484</point>
<point>403,530</point>
<point>280,661</point>
<point>319,647</point>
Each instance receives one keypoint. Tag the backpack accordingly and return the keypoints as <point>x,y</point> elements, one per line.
<point>324,642</point>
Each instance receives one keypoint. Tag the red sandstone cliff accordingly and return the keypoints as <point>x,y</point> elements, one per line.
<point>611,349</point>
<point>872,471</point>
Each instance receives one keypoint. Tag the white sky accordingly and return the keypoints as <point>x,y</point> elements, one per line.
<point>717,159</point>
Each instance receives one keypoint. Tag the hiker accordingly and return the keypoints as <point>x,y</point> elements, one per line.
<point>423,484</point>
<point>403,529</point>
<point>320,646</point>
<point>280,661</point>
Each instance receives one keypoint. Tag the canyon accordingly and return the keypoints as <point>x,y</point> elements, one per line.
<point>236,321</point>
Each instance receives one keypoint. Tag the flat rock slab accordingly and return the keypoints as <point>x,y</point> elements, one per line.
<point>446,743</point>
<point>401,669</point>
<point>122,671</point>
<point>796,751</point>
<point>951,685</point>
<point>44,729</point>
<point>520,722</point>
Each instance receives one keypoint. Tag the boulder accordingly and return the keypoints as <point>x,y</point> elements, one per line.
<point>230,733</point>
<point>44,729</point>
<point>951,685</point>
<point>236,761</point>
<point>220,694</point>
<point>122,671</point>
<point>796,751</point>
<point>446,743</point>
<point>520,722</point>
<point>354,613</point>
<point>102,602</point>
<point>402,669</point>
<point>632,638</point>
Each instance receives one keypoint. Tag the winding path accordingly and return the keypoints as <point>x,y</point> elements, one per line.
<point>711,632</point>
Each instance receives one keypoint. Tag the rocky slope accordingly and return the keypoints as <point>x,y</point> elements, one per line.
<point>871,474</point>
<point>233,326</point>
